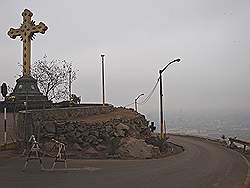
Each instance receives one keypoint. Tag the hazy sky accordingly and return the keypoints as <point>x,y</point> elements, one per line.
<point>139,37</point>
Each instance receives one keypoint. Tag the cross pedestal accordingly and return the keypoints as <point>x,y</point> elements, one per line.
<point>27,95</point>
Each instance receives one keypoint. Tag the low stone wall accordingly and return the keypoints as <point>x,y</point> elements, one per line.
<point>101,139</point>
<point>122,134</point>
<point>29,122</point>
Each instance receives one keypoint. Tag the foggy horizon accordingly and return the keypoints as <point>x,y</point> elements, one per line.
<point>138,39</point>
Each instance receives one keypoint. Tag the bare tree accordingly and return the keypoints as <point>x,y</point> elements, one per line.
<point>53,77</point>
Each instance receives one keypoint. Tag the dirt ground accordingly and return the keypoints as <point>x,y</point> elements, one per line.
<point>117,113</point>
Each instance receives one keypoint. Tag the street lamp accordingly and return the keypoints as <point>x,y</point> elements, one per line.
<point>161,94</point>
<point>136,101</point>
<point>103,88</point>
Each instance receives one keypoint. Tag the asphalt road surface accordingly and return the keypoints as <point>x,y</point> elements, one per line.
<point>203,164</point>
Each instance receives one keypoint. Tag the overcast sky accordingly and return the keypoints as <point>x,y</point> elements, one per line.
<point>139,37</point>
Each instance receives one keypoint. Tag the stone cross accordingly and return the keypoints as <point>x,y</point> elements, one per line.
<point>27,33</point>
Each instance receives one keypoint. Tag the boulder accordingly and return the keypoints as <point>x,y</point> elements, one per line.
<point>91,151</point>
<point>91,139</point>
<point>121,129</point>
<point>77,134</point>
<point>108,128</point>
<point>50,128</point>
<point>77,147</point>
<point>84,145</point>
<point>94,133</point>
<point>135,148</point>
<point>101,147</point>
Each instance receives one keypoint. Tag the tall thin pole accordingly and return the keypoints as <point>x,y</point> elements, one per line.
<point>161,95</point>
<point>5,125</point>
<point>25,122</point>
<point>103,82</point>
<point>4,93</point>
<point>135,105</point>
<point>70,82</point>
<point>161,106</point>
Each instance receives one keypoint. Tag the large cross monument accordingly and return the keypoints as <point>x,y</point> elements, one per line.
<point>27,32</point>
<point>26,89</point>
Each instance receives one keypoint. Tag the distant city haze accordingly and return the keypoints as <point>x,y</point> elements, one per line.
<point>139,37</point>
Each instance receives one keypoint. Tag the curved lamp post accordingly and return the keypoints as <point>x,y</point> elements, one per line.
<point>136,101</point>
<point>161,94</point>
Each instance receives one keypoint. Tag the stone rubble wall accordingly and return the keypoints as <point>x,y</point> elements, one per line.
<point>103,139</point>
<point>29,123</point>
<point>117,133</point>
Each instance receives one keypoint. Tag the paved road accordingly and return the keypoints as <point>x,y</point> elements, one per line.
<point>202,165</point>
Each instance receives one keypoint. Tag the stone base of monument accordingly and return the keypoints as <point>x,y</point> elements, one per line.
<point>26,94</point>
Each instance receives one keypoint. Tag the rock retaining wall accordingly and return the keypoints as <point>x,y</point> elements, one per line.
<point>30,122</point>
<point>102,139</point>
<point>110,132</point>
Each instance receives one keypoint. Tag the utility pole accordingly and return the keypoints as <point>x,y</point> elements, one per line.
<point>161,95</point>
<point>103,82</point>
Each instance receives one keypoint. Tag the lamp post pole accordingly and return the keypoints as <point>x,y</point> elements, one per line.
<point>103,82</point>
<point>161,105</point>
<point>161,95</point>
<point>136,101</point>
<point>70,82</point>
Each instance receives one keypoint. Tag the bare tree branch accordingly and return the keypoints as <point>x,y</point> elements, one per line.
<point>53,78</point>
